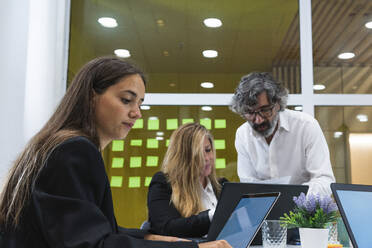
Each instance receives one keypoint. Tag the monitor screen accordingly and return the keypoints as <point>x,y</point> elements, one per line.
<point>246,219</point>
<point>356,206</point>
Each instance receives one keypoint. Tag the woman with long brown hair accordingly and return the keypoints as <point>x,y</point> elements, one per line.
<point>57,193</point>
<point>183,196</point>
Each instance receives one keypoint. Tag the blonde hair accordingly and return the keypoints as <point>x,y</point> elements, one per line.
<point>183,164</point>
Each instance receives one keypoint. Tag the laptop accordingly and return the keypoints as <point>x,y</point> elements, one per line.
<point>231,193</point>
<point>354,203</point>
<point>245,220</point>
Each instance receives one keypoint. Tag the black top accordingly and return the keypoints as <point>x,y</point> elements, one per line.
<point>71,206</point>
<point>165,218</point>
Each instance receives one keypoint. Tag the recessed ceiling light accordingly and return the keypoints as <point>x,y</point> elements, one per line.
<point>207,85</point>
<point>145,107</point>
<point>122,53</point>
<point>337,134</point>
<point>210,53</point>
<point>298,108</point>
<point>159,133</point>
<point>212,22</point>
<point>346,55</point>
<point>362,118</point>
<point>319,87</point>
<point>160,22</point>
<point>369,25</point>
<point>172,84</point>
<point>108,22</point>
<point>206,108</point>
<point>159,138</point>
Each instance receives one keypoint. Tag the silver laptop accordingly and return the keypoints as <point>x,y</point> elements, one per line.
<point>245,220</point>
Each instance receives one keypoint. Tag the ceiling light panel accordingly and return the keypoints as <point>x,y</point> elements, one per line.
<point>337,134</point>
<point>207,85</point>
<point>319,87</point>
<point>212,22</point>
<point>160,22</point>
<point>362,118</point>
<point>369,25</point>
<point>347,55</point>
<point>145,107</point>
<point>207,108</point>
<point>210,53</point>
<point>108,22</point>
<point>122,53</point>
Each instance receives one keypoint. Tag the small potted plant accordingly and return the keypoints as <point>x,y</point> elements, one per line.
<point>311,215</point>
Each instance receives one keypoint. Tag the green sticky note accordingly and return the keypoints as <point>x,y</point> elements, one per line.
<point>184,121</point>
<point>135,162</point>
<point>219,144</point>
<point>220,163</point>
<point>117,145</point>
<point>117,162</point>
<point>153,124</point>
<point>152,161</point>
<point>167,143</point>
<point>136,142</point>
<point>207,123</point>
<point>134,182</point>
<point>147,181</point>
<point>116,181</point>
<point>138,124</point>
<point>172,124</point>
<point>220,123</point>
<point>152,144</point>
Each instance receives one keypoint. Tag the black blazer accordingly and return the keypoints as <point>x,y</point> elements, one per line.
<point>71,206</point>
<point>164,217</point>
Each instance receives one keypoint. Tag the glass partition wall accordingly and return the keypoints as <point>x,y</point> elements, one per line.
<point>342,48</point>
<point>193,64</point>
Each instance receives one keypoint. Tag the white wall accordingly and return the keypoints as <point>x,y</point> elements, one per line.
<point>33,69</point>
<point>360,158</point>
<point>13,50</point>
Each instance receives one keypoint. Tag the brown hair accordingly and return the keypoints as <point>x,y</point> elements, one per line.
<point>183,164</point>
<point>73,117</point>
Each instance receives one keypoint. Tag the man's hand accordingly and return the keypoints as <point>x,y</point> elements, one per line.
<point>215,244</point>
<point>156,237</point>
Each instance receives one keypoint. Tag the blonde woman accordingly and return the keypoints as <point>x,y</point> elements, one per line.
<point>182,197</point>
<point>58,193</point>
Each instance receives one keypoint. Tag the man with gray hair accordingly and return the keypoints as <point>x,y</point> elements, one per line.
<point>277,144</point>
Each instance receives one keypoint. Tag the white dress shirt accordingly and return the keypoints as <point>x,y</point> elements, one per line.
<point>298,151</point>
<point>209,199</point>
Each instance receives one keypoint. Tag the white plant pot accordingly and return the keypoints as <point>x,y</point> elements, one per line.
<point>314,237</point>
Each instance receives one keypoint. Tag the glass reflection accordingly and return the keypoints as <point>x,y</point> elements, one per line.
<point>167,38</point>
<point>342,46</point>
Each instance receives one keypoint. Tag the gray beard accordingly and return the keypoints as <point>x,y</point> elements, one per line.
<point>268,132</point>
<point>271,130</point>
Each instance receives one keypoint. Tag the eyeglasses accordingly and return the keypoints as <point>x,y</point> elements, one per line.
<point>264,112</point>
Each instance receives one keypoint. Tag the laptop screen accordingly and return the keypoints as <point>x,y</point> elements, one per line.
<point>246,219</point>
<point>356,207</point>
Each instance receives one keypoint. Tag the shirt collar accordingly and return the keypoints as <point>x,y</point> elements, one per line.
<point>283,120</point>
<point>209,187</point>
